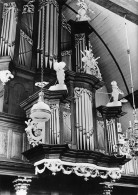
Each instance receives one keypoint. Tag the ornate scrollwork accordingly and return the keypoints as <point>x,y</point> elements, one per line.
<point>26,37</point>
<point>45,2</point>
<point>7,7</point>
<point>29,8</point>
<point>65,24</point>
<point>34,133</point>
<point>78,92</point>
<point>85,170</point>
<point>54,106</point>
<point>67,105</point>
<point>79,37</point>
<point>66,53</point>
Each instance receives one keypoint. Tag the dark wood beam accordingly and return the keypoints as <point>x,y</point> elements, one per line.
<point>121,8</point>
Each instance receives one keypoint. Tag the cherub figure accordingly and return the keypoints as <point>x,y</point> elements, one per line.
<point>115,95</point>
<point>59,68</point>
<point>115,91</point>
<point>82,12</point>
<point>60,72</point>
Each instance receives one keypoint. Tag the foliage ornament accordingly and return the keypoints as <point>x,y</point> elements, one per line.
<point>34,133</point>
<point>29,8</point>
<point>90,63</point>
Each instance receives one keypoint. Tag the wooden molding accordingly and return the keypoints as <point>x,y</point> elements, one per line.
<point>64,153</point>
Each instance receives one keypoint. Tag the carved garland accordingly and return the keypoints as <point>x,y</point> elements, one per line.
<point>79,37</point>
<point>66,53</point>
<point>78,92</point>
<point>29,8</point>
<point>45,2</point>
<point>65,24</point>
<point>27,38</point>
<point>85,170</point>
<point>8,6</point>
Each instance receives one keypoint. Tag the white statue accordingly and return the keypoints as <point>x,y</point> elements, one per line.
<point>90,63</point>
<point>5,76</point>
<point>59,68</point>
<point>82,12</point>
<point>115,95</point>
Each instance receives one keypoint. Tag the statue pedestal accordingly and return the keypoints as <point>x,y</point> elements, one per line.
<point>114,104</point>
<point>58,87</point>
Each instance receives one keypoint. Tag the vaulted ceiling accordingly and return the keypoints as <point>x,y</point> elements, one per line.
<point>109,39</point>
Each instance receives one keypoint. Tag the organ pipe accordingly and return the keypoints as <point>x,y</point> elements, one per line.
<point>80,45</point>
<point>8,29</point>
<point>84,119</point>
<point>112,138</point>
<point>54,125</point>
<point>47,33</point>
<point>26,42</point>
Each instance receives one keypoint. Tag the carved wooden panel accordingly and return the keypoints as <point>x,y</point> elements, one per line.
<point>3,143</point>
<point>16,145</point>
<point>67,126</point>
<point>17,95</point>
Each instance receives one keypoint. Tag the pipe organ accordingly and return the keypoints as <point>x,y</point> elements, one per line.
<point>84,119</point>
<point>47,47</point>
<point>26,31</point>
<point>8,32</point>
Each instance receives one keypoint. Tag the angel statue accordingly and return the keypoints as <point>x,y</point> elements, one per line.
<point>82,12</point>
<point>115,95</point>
<point>90,63</point>
<point>60,72</point>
